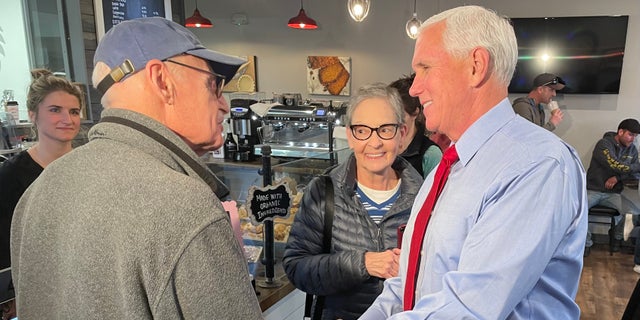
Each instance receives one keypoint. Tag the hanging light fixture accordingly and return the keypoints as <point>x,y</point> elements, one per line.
<point>197,21</point>
<point>301,21</point>
<point>413,24</point>
<point>358,9</point>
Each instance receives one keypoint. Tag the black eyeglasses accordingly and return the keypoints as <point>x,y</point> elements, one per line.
<point>385,131</point>
<point>219,79</point>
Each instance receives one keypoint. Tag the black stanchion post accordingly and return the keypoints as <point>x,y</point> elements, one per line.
<point>269,251</point>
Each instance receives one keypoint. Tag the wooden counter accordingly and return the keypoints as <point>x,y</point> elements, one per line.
<point>270,296</point>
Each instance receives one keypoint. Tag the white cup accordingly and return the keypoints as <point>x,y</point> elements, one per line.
<point>553,105</point>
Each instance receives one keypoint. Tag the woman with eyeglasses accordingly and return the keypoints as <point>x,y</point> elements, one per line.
<point>373,194</point>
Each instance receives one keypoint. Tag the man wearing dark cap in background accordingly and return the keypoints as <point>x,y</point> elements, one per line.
<point>614,159</point>
<point>129,226</point>
<point>531,108</point>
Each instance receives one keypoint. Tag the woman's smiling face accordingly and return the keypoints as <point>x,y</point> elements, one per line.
<point>375,155</point>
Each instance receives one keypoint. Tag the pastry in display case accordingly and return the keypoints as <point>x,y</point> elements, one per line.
<point>281,225</point>
<point>240,177</point>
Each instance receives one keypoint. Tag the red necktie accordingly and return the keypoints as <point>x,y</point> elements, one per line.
<point>448,158</point>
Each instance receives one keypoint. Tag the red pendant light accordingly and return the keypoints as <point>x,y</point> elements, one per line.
<point>197,21</point>
<point>301,21</point>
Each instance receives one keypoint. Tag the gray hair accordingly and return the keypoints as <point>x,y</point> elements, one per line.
<point>468,27</point>
<point>376,90</point>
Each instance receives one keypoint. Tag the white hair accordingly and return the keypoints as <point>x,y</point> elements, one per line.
<point>468,27</point>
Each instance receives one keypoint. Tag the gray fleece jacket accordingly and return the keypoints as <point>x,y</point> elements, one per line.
<point>122,228</point>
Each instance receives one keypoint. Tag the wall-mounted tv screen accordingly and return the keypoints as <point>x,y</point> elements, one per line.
<point>586,52</point>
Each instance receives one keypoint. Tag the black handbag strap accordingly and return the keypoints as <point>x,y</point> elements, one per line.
<point>328,215</point>
<point>326,246</point>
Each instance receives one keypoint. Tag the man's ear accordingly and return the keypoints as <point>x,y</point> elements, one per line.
<point>481,63</point>
<point>160,80</point>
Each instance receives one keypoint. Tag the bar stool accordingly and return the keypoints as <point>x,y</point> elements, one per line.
<point>611,213</point>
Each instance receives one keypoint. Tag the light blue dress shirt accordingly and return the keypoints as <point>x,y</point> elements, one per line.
<point>506,237</point>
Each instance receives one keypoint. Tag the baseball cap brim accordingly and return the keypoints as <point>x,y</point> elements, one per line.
<point>223,64</point>
<point>557,86</point>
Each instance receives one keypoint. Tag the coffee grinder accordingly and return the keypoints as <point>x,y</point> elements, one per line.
<point>245,125</point>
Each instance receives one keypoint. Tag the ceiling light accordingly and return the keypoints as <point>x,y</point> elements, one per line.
<point>301,21</point>
<point>413,24</point>
<point>358,9</point>
<point>197,21</point>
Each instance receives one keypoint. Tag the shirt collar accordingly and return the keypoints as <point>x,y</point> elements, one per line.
<point>483,129</point>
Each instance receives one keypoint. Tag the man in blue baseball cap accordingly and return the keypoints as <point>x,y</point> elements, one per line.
<point>129,226</point>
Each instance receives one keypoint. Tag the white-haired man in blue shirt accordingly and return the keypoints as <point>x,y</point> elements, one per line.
<point>506,235</point>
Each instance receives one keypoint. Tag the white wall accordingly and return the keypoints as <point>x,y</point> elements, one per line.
<point>381,51</point>
<point>14,57</point>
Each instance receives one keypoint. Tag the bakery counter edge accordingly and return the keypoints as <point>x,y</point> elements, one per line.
<point>300,166</point>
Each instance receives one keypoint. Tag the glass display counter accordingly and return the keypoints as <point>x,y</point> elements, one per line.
<point>272,284</point>
<point>241,176</point>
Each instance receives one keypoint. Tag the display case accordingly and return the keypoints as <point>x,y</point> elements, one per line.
<point>268,239</point>
<point>241,176</point>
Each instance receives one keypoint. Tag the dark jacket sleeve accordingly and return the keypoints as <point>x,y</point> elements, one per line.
<point>523,108</point>
<point>306,266</point>
<point>604,153</point>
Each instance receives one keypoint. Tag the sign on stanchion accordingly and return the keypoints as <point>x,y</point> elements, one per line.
<point>269,202</point>
<point>265,204</point>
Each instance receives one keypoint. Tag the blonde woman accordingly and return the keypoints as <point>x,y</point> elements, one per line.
<point>54,106</point>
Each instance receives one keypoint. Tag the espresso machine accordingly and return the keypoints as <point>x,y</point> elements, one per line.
<point>245,124</point>
<point>302,131</point>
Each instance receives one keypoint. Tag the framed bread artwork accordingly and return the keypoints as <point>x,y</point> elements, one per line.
<point>245,79</point>
<point>329,75</point>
